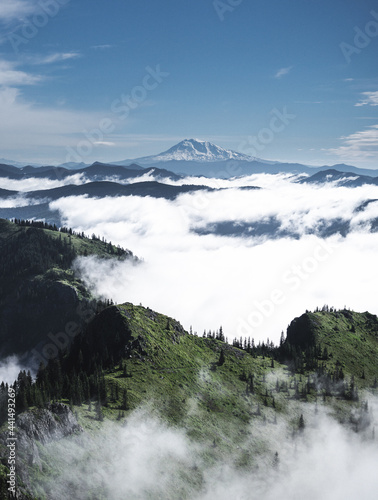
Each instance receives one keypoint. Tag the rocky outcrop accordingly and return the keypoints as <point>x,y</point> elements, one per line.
<point>51,423</point>
<point>54,422</point>
<point>302,331</point>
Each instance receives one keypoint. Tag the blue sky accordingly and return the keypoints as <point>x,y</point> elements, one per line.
<point>85,80</point>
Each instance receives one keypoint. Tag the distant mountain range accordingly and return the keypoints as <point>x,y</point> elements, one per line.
<point>199,158</point>
<point>100,180</point>
<point>96,172</point>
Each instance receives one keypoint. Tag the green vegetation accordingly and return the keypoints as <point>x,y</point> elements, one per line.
<point>130,357</point>
<point>348,341</point>
<point>126,357</point>
<point>39,291</point>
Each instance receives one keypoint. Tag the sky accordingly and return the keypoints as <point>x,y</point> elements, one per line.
<point>113,80</point>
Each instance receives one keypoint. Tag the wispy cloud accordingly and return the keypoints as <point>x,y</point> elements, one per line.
<point>308,102</point>
<point>9,76</point>
<point>283,72</point>
<point>53,58</point>
<point>102,47</point>
<point>361,145</point>
<point>368,99</point>
<point>104,143</point>
<point>15,9</point>
<point>26,125</point>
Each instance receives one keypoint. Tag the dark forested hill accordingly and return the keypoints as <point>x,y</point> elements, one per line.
<point>39,292</point>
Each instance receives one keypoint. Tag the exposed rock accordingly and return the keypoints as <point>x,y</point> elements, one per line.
<point>52,423</point>
<point>302,331</point>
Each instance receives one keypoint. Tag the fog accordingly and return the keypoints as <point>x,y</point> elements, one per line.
<point>35,183</point>
<point>10,367</point>
<point>148,459</point>
<point>251,285</point>
<point>207,262</point>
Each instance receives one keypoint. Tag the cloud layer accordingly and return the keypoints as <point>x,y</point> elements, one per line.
<point>148,459</point>
<point>251,285</point>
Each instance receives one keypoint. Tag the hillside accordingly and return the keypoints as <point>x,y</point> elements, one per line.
<point>343,339</point>
<point>133,381</point>
<point>131,364</point>
<point>39,291</point>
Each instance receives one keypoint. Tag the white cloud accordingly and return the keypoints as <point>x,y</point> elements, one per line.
<point>102,47</point>
<point>53,58</point>
<point>149,459</point>
<point>35,183</point>
<point>361,145</point>
<point>15,9</point>
<point>10,367</point>
<point>208,280</point>
<point>27,128</point>
<point>10,77</point>
<point>283,72</point>
<point>369,99</point>
<point>104,143</point>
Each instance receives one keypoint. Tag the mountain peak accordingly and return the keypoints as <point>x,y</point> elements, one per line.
<point>199,150</point>
<point>193,150</point>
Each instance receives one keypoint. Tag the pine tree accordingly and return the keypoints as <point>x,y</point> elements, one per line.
<point>99,413</point>
<point>125,400</point>
<point>301,424</point>
<point>222,358</point>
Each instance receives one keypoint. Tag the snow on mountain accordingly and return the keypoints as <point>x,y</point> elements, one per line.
<point>193,150</point>
<point>197,150</point>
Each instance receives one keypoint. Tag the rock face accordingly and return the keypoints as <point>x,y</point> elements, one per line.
<point>52,423</point>
<point>302,331</point>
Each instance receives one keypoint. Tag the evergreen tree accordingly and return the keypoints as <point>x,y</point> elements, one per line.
<point>222,358</point>
<point>301,423</point>
<point>125,400</point>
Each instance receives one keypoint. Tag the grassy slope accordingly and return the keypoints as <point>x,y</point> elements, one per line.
<point>177,376</point>
<point>180,375</point>
<point>351,339</point>
<point>81,246</point>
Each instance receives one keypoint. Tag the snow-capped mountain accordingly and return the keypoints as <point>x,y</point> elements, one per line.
<point>197,150</point>
<point>193,150</point>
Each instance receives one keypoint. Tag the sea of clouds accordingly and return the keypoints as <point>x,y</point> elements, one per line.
<point>250,285</point>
